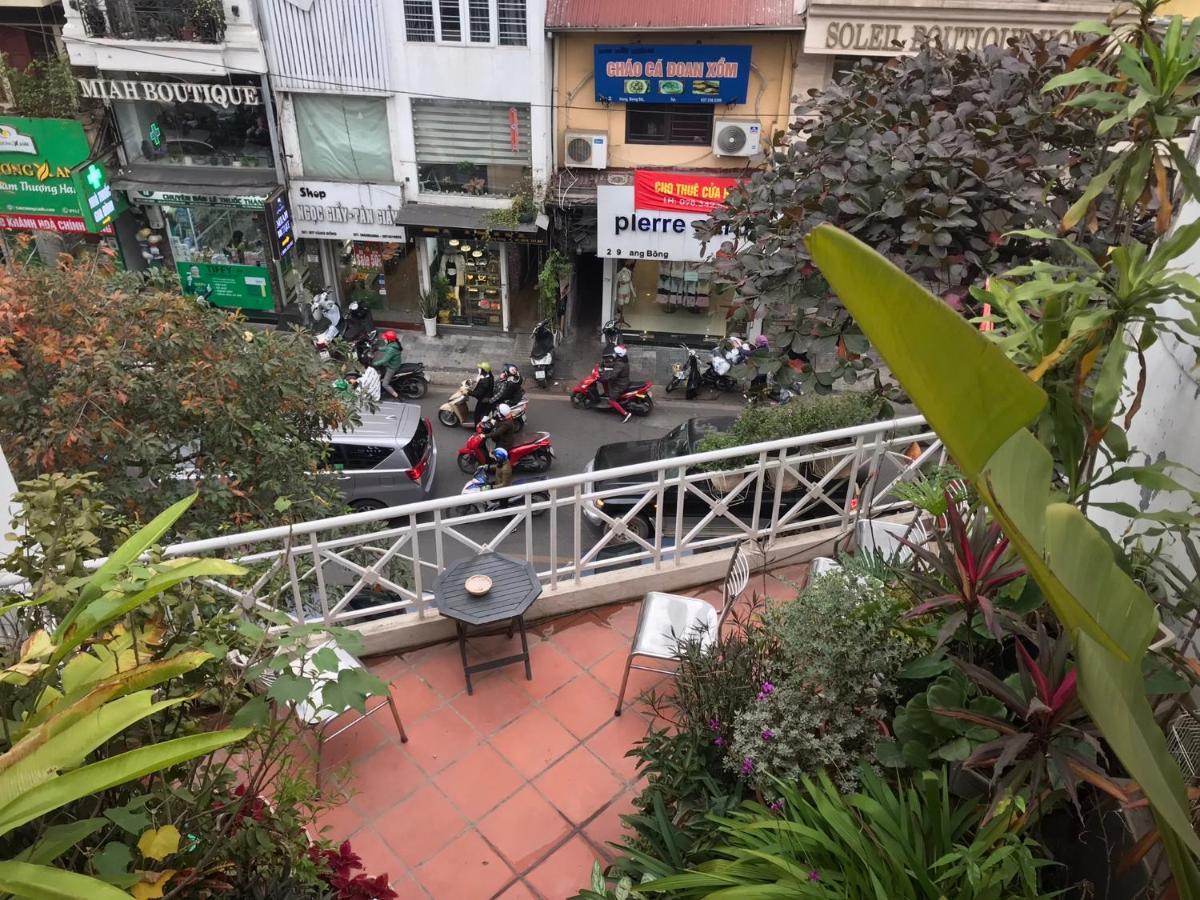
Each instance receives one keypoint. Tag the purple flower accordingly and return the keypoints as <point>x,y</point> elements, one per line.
<point>714,725</point>
<point>718,742</point>
<point>767,690</point>
<point>747,766</point>
<point>814,875</point>
<point>767,734</point>
<point>777,805</point>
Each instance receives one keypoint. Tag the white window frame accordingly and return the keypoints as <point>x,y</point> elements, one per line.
<point>464,18</point>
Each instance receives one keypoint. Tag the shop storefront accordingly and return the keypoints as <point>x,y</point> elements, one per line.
<point>655,279</point>
<point>36,189</point>
<point>197,162</point>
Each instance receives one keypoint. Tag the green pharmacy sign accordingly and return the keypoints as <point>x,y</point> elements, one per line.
<point>97,202</point>
<point>227,284</point>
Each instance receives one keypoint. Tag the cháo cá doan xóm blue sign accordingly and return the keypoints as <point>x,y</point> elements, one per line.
<point>672,73</point>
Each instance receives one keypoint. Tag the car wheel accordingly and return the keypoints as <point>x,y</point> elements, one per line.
<point>639,526</point>
<point>448,418</point>
<point>413,388</point>
<point>467,463</point>
<point>366,505</point>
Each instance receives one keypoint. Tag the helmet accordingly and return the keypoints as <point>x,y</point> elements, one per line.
<point>485,367</point>
<point>341,385</point>
<point>357,310</point>
<point>504,409</point>
<point>619,350</point>
<point>513,371</point>
<point>761,341</point>
<point>390,336</point>
<point>500,453</point>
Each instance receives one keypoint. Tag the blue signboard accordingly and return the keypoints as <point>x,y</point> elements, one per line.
<point>672,73</point>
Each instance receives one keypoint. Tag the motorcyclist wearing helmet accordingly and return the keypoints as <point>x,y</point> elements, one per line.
<point>615,378</point>
<point>387,360</point>
<point>501,427</point>
<point>510,390</point>
<point>324,306</point>
<point>359,322</point>
<point>366,383</point>
<point>499,472</point>
<point>485,386</point>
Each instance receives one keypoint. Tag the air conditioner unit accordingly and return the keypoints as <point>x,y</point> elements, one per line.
<point>586,149</point>
<point>734,138</point>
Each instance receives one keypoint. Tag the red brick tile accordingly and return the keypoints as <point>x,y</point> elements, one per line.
<point>413,696</point>
<point>408,888</point>
<point>377,858</point>
<point>441,667</point>
<point>479,781</point>
<point>579,785</point>
<point>566,872</point>
<point>524,828</point>
<point>616,738</point>
<point>387,667</point>
<point>585,640</point>
<point>623,617</point>
<point>439,739</point>
<point>519,891</point>
<point>492,646</point>
<point>420,826</point>
<point>533,742</point>
<point>363,738</point>
<point>496,702</point>
<point>339,822</point>
<point>382,780</point>
<point>582,706</point>
<point>551,670</point>
<point>468,869</point>
<point>607,828</point>
<point>611,669</point>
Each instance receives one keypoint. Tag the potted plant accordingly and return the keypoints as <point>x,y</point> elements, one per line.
<point>429,303</point>
<point>250,161</point>
<point>207,20</point>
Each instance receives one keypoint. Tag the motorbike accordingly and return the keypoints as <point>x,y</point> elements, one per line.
<point>363,349</point>
<point>410,381</point>
<point>455,412</point>
<point>478,487</point>
<point>715,376</point>
<point>610,336</point>
<point>529,456</point>
<point>541,354</point>
<point>638,399</point>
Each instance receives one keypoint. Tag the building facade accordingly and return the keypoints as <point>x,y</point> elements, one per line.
<point>408,130</point>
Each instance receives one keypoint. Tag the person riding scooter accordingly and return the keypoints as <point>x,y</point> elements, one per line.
<point>485,386</point>
<point>387,361</point>
<point>501,427</point>
<point>359,322</point>
<point>615,379</point>
<point>499,470</point>
<point>366,383</point>
<point>509,390</point>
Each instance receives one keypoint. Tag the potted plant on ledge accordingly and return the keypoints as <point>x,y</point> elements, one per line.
<point>429,302</point>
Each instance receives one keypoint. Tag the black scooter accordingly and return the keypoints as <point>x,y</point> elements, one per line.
<point>541,354</point>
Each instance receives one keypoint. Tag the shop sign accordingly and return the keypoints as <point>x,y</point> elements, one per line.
<point>346,212</point>
<point>884,35</point>
<point>36,158</point>
<point>623,231</point>
<point>97,202</point>
<point>279,219</point>
<point>671,73</point>
<point>680,191</point>
<point>224,95</point>
<point>232,285</point>
<point>176,198</point>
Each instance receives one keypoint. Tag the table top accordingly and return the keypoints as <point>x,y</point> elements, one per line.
<point>515,586</point>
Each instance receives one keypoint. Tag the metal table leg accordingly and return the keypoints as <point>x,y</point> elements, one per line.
<point>462,649</point>
<point>524,648</point>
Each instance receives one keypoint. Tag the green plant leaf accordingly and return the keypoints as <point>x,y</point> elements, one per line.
<point>58,839</point>
<point>114,859</point>
<point>22,879</point>
<point>1094,189</point>
<point>1086,75</point>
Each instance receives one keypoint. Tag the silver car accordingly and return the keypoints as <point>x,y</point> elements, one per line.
<point>388,460</point>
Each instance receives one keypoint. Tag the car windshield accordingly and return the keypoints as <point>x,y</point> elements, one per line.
<point>676,442</point>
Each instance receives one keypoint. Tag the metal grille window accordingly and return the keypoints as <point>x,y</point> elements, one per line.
<point>418,21</point>
<point>480,17</point>
<point>450,13</point>
<point>470,147</point>
<point>511,21</point>
<point>668,123</point>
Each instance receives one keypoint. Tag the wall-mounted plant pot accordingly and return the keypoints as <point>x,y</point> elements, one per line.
<point>430,325</point>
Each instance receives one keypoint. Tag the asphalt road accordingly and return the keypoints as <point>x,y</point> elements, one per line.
<point>575,435</point>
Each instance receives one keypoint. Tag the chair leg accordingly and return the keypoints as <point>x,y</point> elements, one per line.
<point>624,682</point>
<point>396,715</point>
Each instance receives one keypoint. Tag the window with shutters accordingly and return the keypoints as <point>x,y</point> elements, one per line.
<point>469,147</point>
<point>668,123</point>
<point>478,22</point>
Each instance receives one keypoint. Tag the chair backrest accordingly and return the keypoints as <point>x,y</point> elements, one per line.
<point>736,578</point>
<point>883,538</point>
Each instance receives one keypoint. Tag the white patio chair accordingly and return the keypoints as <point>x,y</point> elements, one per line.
<point>883,538</point>
<point>667,619</point>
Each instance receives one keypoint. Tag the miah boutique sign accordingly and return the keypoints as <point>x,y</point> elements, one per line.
<point>224,95</point>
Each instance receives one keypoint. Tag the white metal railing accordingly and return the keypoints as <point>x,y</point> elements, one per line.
<point>343,569</point>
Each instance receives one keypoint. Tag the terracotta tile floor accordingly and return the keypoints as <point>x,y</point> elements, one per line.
<point>513,791</point>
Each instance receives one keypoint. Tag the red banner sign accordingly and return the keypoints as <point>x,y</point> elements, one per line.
<point>37,222</point>
<point>679,191</point>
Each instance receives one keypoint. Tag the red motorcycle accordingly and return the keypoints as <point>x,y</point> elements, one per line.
<point>531,456</point>
<point>637,399</point>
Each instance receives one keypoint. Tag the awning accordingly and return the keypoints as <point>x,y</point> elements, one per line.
<point>430,220</point>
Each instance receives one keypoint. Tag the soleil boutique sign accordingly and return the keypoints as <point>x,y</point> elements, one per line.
<point>884,35</point>
<point>223,95</point>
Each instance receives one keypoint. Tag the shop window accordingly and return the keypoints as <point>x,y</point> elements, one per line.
<point>481,21</point>
<point>484,22</point>
<point>418,21</point>
<point>469,147</point>
<point>172,133</point>
<point>668,123</point>
<point>670,297</point>
<point>472,273</point>
<point>450,17</point>
<point>221,253</point>
<point>343,138</point>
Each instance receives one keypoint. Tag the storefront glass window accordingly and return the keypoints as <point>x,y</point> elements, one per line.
<point>171,133</point>
<point>473,281</point>
<point>221,254</point>
<point>672,297</point>
<point>343,138</point>
<point>381,275</point>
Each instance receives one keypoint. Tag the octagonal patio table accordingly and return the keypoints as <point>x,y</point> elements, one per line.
<point>515,586</point>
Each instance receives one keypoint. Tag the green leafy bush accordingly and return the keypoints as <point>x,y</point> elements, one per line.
<point>922,736</point>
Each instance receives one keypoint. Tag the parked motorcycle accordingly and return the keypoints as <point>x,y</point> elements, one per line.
<point>478,487</point>
<point>455,411</point>
<point>541,354</point>
<point>638,399</point>
<point>610,337</point>
<point>530,456</point>
<point>715,376</point>
<point>411,381</point>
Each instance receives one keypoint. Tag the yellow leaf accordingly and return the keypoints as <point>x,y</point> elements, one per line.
<point>152,884</point>
<point>36,646</point>
<point>158,843</point>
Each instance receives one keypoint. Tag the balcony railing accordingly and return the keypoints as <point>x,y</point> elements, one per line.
<point>202,21</point>
<point>373,564</point>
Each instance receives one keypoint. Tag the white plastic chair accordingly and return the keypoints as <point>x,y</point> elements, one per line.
<point>883,538</point>
<point>667,619</point>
